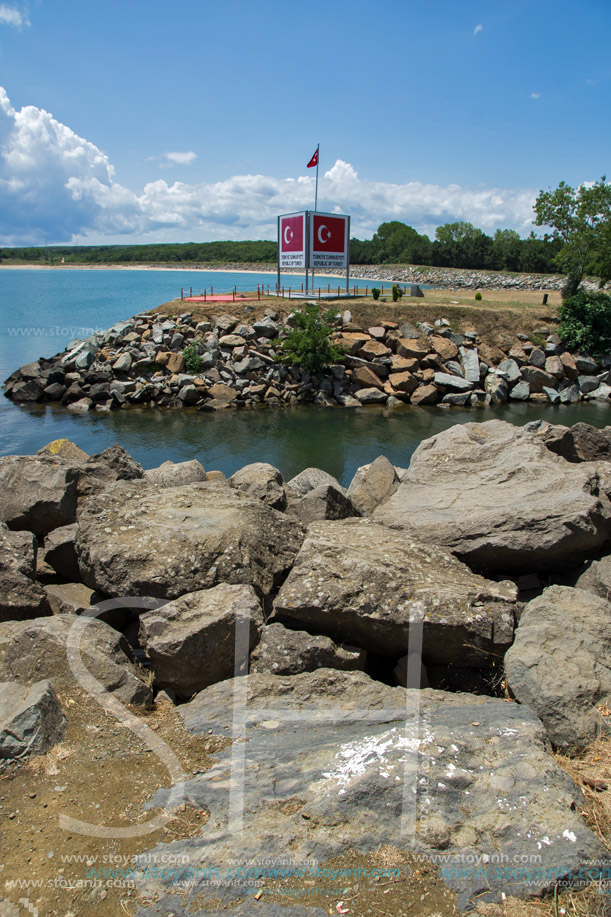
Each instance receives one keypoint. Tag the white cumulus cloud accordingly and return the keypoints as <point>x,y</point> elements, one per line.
<point>535,95</point>
<point>181,159</point>
<point>54,183</point>
<point>478,28</point>
<point>10,15</point>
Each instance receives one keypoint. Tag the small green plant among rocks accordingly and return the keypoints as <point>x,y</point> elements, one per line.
<point>375,292</point>
<point>397,293</point>
<point>478,296</point>
<point>309,344</point>
<point>193,360</point>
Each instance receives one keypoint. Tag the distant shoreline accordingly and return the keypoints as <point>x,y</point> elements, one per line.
<point>146,267</point>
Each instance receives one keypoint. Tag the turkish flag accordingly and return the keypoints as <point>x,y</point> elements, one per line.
<point>313,161</point>
<point>291,233</point>
<point>329,233</point>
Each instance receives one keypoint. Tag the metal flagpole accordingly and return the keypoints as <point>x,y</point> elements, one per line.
<point>316,199</point>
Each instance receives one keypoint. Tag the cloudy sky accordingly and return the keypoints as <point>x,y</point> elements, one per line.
<point>144,122</point>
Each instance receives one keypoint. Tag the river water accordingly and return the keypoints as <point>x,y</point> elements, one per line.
<point>58,305</point>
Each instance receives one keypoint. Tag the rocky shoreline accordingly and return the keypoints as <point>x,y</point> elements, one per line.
<point>144,362</point>
<point>416,644</point>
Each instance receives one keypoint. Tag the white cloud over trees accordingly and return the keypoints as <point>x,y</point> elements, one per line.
<point>54,183</point>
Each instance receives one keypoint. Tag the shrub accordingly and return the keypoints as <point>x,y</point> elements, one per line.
<point>585,322</point>
<point>375,292</point>
<point>397,292</point>
<point>193,361</point>
<point>478,296</point>
<point>308,345</point>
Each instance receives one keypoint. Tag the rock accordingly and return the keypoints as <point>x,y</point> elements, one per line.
<point>510,371</point>
<point>362,764</point>
<point>60,552</point>
<point>457,383</point>
<point>222,395</point>
<point>31,650</point>
<point>177,474</point>
<point>557,664</point>
<point>189,395</point>
<point>175,363</point>
<point>588,384</point>
<point>192,640</point>
<point>403,381</point>
<point>443,347</point>
<point>425,394</point>
<point>410,671</point>
<point>570,395</point>
<point>123,364</point>
<point>537,358</point>
<point>569,366</point>
<point>372,484</point>
<point>370,396</point>
<point>366,378</point>
<point>310,478</point>
<point>589,444</point>
<point>288,652</point>
<point>20,596</point>
<point>470,364</point>
<point>261,481</point>
<point>520,392</point>
<point>31,719</point>
<point>585,364</point>
<point>37,493</point>
<point>138,538</point>
<point>373,350</point>
<point>597,578</point>
<point>556,437</point>
<point>537,379</point>
<point>69,598</point>
<point>457,399</point>
<point>497,388</point>
<point>323,502</point>
<point>553,366</point>
<point>497,498</point>
<point>552,395</point>
<point>367,593</point>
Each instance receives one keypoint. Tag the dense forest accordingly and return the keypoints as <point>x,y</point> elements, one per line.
<point>459,245</point>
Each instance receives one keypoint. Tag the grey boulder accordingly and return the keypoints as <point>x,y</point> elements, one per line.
<point>262,481</point>
<point>60,552</point>
<point>558,664</point>
<point>175,474</point>
<point>310,478</point>
<point>41,649</point>
<point>192,641</point>
<point>20,596</point>
<point>323,502</point>
<point>288,652</point>
<point>138,538</point>
<point>372,484</point>
<point>495,496</point>
<point>38,493</point>
<point>31,719</point>
<point>364,584</point>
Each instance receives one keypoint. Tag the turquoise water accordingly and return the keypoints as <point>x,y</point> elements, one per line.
<point>58,302</point>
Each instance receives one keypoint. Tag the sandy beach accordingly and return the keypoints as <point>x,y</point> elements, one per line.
<point>146,267</point>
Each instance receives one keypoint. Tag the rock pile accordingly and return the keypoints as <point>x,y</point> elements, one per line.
<point>142,362</point>
<point>374,619</point>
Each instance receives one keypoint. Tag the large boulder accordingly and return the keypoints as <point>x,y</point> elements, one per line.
<point>364,584</point>
<point>499,499</point>
<point>333,761</point>
<point>597,578</point>
<point>38,493</point>
<point>20,596</point>
<point>262,481</point>
<point>60,553</point>
<point>323,502</point>
<point>288,652</point>
<point>38,649</point>
<point>175,474</point>
<point>310,478</point>
<point>372,484</point>
<point>31,719</point>
<point>192,641</point>
<point>558,664</point>
<point>138,538</point>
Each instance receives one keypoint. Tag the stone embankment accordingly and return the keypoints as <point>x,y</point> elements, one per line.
<point>142,361</point>
<point>342,598</point>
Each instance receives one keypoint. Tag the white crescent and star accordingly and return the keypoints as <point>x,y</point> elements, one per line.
<point>320,238</point>
<point>287,237</point>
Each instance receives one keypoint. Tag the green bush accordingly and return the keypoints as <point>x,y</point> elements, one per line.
<point>585,322</point>
<point>397,292</point>
<point>193,361</point>
<point>308,345</point>
<point>375,292</point>
<point>478,296</point>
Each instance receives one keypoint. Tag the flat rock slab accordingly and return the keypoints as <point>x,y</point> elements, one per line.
<point>139,538</point>
<point>559,664</point>
<point>335,761</point>
<point>364,584</point>
<point>288,652</point>
<point>39,649</point>
<point>31,719</point>
<point>498,498</point>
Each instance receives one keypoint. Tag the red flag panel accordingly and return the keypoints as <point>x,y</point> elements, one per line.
<point>291,233</point>
<point>329,234</point>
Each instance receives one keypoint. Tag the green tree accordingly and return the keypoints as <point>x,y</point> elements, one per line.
<point>506,248</point>
<point>462,245</point>
<point>580,219</point>
<point>585,322</point>
<point>308,344</point>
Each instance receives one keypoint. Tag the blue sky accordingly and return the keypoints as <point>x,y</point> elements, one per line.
<point>133,121</point>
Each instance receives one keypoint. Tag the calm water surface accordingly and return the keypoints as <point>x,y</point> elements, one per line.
<point>338,440</point>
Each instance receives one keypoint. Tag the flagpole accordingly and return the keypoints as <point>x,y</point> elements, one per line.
<point>316,198</point>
